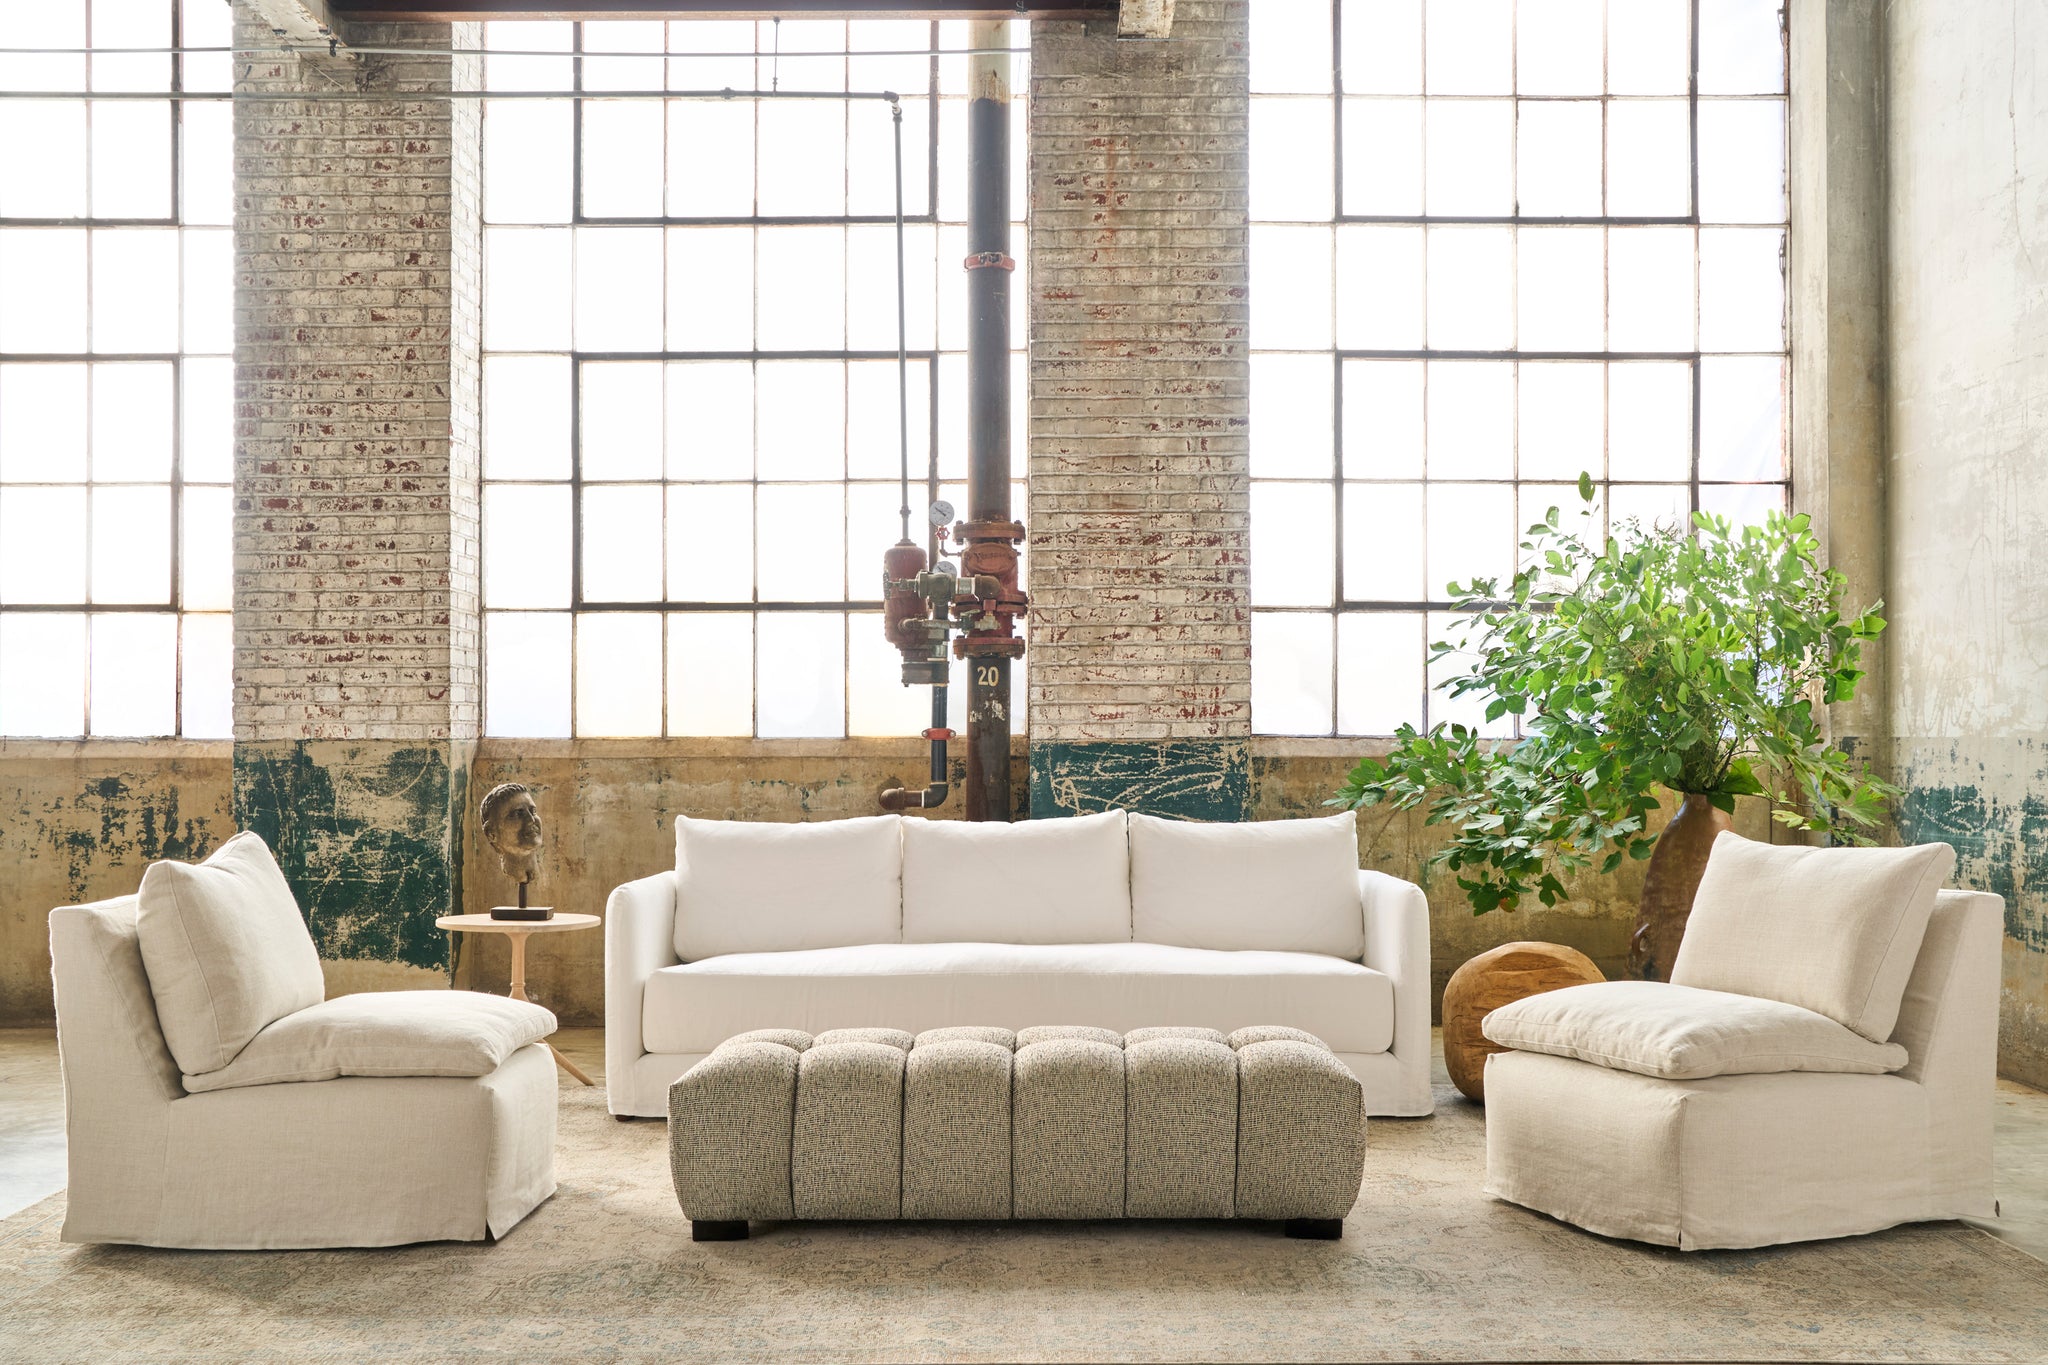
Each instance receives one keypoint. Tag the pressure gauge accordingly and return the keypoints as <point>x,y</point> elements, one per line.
<point>942,513</point>
<point>947,568</point>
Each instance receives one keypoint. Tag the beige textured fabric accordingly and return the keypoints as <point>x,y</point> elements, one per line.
<point>1279,885</point>
<point>1758,1160</point>
<point>887,1037</point>
<point>747,887</point>
<point>730,1123</point>
<point>846,1155</point>
<point>1035,881</point>
<point>1684,1033</point>
<point>1082,1033</point>
<point>956,1129</point>
<point>1274,1033</point>
<point>1300,1132</point>
<point>1067,1129</point>
<point>1835,930</point>
<point>1146,1035</point>
<point>358,1161</point>
<point>385,1033</point>
<point>227,951</point>
<point>1181,1112</point>
<point>1001,1037</point>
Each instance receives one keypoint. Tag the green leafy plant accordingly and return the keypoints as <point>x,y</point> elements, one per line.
<point>1650,659</point>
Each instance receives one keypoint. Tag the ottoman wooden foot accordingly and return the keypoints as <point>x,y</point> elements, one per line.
<point>1316,1229</point>
<point>718,1230</point>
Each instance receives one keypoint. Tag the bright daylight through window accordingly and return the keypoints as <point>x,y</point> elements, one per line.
<point>690,384</point>
<point>1495,243</point>
<point>116,374</point>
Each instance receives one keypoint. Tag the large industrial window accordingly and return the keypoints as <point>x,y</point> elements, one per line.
<point>116,373</point>
<point>690,385</point>
<point>1495,243</point>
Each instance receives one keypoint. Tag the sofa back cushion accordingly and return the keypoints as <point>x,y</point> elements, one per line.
<point>1281,885</point>
<point>1035,881</point>
<point>746,887</point>
<point>1835,930</point>
<point>226,950</point>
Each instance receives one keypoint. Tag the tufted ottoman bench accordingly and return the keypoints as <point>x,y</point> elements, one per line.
<point>1057,1122</point>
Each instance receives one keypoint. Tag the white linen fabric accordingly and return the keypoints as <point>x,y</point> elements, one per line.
<point>749,887</point>
<point>227,951</point>
<point>917,986</point>
<point>1034,881</point>
<point>1682,1033</point>
<point>386,1033</point>
<point>1833,929</point>
<point>1276,885</point>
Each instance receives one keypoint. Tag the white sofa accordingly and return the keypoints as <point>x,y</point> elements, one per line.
<point>914,924</point>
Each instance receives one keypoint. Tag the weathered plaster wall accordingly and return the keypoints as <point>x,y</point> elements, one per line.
<point>1967,305</point>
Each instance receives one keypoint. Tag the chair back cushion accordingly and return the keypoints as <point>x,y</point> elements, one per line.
<point>386,1033</point>
<point>227,951</point>
<point>1036,881</point>
<point>1279,885</point>
<point>1681,1033</point>
<point>747,887</point>
<point>1835,930</point>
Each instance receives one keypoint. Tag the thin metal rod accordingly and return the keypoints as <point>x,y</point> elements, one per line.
<point>321,51</point>
<point>902,333</point>
<point>386,96</point>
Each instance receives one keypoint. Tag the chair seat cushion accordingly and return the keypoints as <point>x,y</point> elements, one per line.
<point>385,1033</point>
<point>1682,1033</point>
<point>917,986</point>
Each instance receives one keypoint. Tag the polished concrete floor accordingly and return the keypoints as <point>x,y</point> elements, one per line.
<point>32,1132</point>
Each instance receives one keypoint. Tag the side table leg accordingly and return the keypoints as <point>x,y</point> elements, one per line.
<point>518,992</point>
<point>569,1066</point>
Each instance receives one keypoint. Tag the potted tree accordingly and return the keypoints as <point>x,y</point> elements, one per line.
<point>1648,659</point>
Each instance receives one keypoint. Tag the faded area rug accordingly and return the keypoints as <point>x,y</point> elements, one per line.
<point>1429,1269</point>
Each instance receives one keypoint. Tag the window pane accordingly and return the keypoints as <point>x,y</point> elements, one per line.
<point>1561,405</point>
<point>1468,710</point>
<point>877,702</point>
<point>1291,160</point>
<point>1472,534</point>
<point>526,672</point>
<point>801,285</point>
<point>527,161</point>
<point>1650,420</point>
<point>622,543</point>
<point>131,422</point>
<point>207,161</point>
<point>42,545</point>
<point>1383,427</point>
<point>800,415</point>
<point>1742,289</point>
<point>1649,47</point>
<point>1664,506</point>
<point>1382,47</point>
<point>526,545</point>
<point>623,155</point>
<point>1559,160</point>
<point>1382,156</point>
<point>621,411</point>
<point>135,289</point>
<point>711,289</point>
<point>1293,544</point>
<point>1470,48</point>
<point>617,306</point>
<point>1558,47</point>
<point>1471,288</point>
<point>1742,49</point>
<point>131,158</point>
<point>206,24</point>
<point>1291,687</point>
<point>1379,293</point>
<point>30,26</point>
<point>42,423</point>
<point>710,534</point>
<point>710,420</point>
<point>1470,158</point>
<point>710,674</point>
<point>800,542</point>
<point>1471,419</point>
<point>1290,46</point>
<point>1292,419</point>
<point>711,158</point>
<point>131,544</point>
<point>135,674</point>
<point>624,73</point>
<point>1379,672</point>
<point>209,292</point>
<point>1290,287</point>
<point>801,674</point>
<point>873,450</point>
<point>42,157</point>
<point>1742,417</point>
<point>1383,543</point>
<point>209,418</point>
<point>618,673</point>
<point>42,672</point>
<point>529,73</point>
<point>1742,161</point>
<point>42,289</point>
<point>526,417</point>
<point>131,23</point>
<point>1562,288</point>
<point>207,677</point>
<point>526,289</point>
<point>1650,289</point>
<point>802,165</point>
<point>1649,159</point>
<point>1743,504</point>
<point>871,287</point>
<point>206,553</point>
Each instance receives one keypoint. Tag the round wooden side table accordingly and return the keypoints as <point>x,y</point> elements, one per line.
<point>1498,977</point>
<point>517,931</point>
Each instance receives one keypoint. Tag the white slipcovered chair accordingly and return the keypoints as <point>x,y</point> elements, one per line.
<point>1821,1063</point>
<point>214,1099</point>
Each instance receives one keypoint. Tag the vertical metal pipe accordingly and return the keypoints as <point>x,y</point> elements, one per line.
<point>988,395</point>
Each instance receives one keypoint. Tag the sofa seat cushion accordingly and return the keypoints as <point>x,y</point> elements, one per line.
<point>385,1033</point>
<point>694,1007</point>
<point>1682,1033</point>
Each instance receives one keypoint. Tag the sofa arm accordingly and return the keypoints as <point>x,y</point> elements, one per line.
<point>1397,946</point>
<point>639,940</point>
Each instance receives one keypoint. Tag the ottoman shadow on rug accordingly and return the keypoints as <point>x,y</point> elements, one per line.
<point>1429,1269</point>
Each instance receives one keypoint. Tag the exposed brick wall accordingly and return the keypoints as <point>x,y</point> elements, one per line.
<point>1140,626</point>
<point>357,286</point>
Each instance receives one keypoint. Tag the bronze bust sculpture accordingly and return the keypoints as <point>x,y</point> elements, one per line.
<point>511,825</point>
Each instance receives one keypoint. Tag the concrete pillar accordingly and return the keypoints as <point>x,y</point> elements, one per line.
<point>357,687</point>
<point>1140,625</point>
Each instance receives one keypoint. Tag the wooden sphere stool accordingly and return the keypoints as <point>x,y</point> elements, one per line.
<point>1498,977</point>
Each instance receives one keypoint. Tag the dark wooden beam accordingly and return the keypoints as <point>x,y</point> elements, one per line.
<point>463,10</point>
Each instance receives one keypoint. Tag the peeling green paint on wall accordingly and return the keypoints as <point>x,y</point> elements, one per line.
<point>1179,779</point>
<point>368,834</point>
<point>1989,799</point>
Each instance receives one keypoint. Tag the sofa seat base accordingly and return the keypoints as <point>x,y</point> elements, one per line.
<point>694,1007</point>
